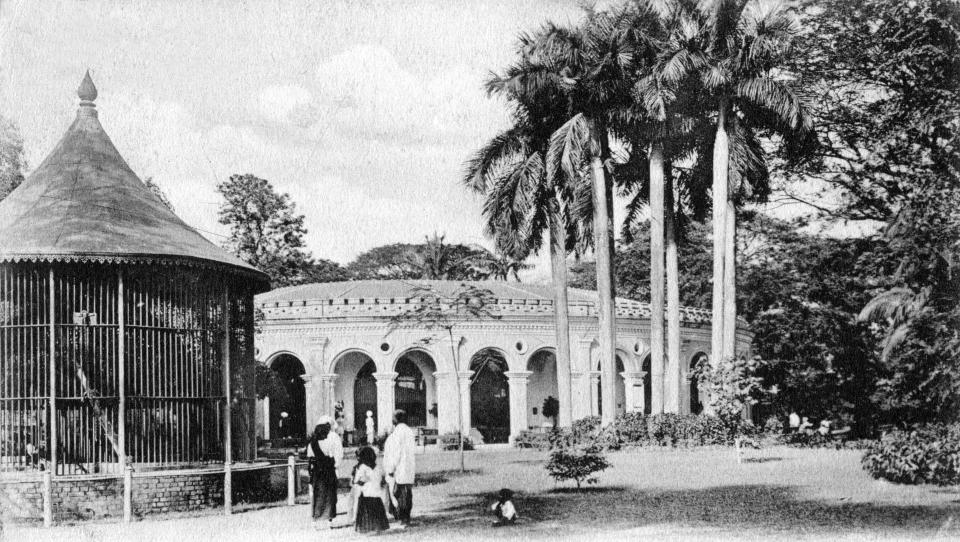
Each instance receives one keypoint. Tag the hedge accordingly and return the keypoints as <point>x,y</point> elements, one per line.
<point>925,455</point>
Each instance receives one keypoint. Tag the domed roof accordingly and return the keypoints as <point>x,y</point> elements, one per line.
<point>398,291</point>
<point>84,203</point>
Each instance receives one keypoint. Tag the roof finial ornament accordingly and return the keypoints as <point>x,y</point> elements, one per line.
<point>87,91</point>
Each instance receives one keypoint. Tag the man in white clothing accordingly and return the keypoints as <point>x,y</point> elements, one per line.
<point>399,463</point>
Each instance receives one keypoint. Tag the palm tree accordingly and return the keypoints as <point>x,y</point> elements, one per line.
<point>523,200</point>
<point>591,65</point>
<point>740,45</point>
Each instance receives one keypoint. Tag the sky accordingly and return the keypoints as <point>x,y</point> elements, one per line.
<point>364,112</point>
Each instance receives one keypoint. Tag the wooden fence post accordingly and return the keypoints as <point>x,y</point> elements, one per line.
<point>127,494</point>
<point>291,480</point>
<point>47,498</point>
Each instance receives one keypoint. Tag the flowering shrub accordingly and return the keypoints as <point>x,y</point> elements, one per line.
<point>926,455</point>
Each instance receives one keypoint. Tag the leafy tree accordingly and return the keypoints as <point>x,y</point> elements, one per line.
<point>265,230</point>
<point>886,75</point>
<point>321,270</point>
<point>577,463</point>
<point>551,408</point>
<point>433,259</point>
<point>12,160</point>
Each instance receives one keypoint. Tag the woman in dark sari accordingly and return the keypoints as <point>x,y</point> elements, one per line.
<point>323,454</point>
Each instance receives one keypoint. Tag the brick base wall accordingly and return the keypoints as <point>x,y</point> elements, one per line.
<point>78,499</point>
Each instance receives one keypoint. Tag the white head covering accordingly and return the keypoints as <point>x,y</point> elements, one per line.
<point>325,420</point>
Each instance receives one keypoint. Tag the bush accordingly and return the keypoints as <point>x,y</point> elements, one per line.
<point>577,463</point>
<point>631,427</point>
<point>451,441</point>
<point>539,440</point>
<point>926,455</point>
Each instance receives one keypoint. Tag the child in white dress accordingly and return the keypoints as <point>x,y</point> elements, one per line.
<point>370,516</point>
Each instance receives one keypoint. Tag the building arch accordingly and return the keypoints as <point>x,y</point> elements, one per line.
<point>542,383</point>
<point>647,385</point>
<point>695,403</point>
<point>287,407</point>
<point>415,389</point>
<point>621,389</point>
<point>490,395</point>
<point>355,388</point>
<point>331,366</point>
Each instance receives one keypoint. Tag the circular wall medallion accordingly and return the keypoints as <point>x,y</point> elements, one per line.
<point>384,347</point>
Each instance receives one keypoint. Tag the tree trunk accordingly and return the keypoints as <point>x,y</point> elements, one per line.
<point>730,282</point>
<point>673,379</point>
<point>558,268</point>
<point>656,278</point>
<point>720,164</point>
<point>603,235</point>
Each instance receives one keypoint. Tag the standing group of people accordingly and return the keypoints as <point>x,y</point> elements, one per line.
<point>376,489</point>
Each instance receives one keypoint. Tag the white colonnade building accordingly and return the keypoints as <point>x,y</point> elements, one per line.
<point>334,343</point>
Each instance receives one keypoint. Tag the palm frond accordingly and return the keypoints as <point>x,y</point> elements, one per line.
<point>505,147</point>
<point>568,148</point>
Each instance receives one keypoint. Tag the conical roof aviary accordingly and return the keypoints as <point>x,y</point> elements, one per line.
<point>84,203</point>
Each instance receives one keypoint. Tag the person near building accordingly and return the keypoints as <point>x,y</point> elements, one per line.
<point>324,454</point>
<point>371,486</point>
<point>400,464</point>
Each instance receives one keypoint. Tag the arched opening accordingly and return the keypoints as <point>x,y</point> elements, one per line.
<point>621,392</point>
<point>696,404</point>
<point>356,390</point>
<point>647,385</point>
<point>288,407</point>
<point>490,396</point>
<point>415,390</point>
<point>542,384</point>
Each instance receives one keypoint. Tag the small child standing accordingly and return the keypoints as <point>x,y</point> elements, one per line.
<point>504,509</point>
<point>370,516</point>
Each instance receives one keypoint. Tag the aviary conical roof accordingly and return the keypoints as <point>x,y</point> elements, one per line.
<point>84,203</point>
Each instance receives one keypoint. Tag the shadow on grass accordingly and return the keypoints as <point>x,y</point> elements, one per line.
<point>761,459</point>
<point>443,476</point>
<point>743,507</point>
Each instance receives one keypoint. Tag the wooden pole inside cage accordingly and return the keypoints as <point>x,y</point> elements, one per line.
<point>227,414</point>
<point>52,445</point>
<point>121,377</point>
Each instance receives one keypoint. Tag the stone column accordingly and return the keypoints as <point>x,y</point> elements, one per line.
<point>518,401</point>
<point>595,393</point>
<point>315,407</point>
<point>633,391</point>
<point>447,406</point>
<point>580,383</point>
<point>463,383</point>
<point>326,388</point>
<point>385,400</point>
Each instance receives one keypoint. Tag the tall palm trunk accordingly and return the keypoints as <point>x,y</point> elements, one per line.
<point>603,245</point>
<point>672,380</point>
<point>558,268</point>
<point>730,281</point>
<point>721,156</point>
<point>656,278</point>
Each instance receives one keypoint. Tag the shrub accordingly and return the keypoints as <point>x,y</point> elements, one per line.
<point>631,428</point>
<point>551,408</point>
<point>451,441</point>
<point>926,455</point>
<point>577,463</point>
<point>539,440</point>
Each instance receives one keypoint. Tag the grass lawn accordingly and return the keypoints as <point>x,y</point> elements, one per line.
<point>777,493</point>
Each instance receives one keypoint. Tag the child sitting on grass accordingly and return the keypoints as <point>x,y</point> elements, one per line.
<point>504,509</point>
